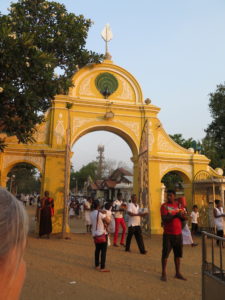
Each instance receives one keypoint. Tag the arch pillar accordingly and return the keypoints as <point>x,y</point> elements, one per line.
<point>134,159</point>
<point>54,182</point>
<point>3,180</point>
<point>155,192</point>
<point>188,193</point>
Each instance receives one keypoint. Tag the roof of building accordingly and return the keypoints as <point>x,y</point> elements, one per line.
<point>119,176</point>
<point>123,185</point>
<point>129,178</point>
<point>109,183</point>
<point>93,186</point>
<point>119,171</point>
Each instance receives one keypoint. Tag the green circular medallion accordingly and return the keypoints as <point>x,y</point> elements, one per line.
<point>106,83</point>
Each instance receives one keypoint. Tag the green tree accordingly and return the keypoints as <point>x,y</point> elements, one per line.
<point>186,143</point>
<point>78,178</point>
<point>209,149</point>
<point>172,180</point>
<point>215,133</point>
<point>37,39</point>
<point>24,178</point>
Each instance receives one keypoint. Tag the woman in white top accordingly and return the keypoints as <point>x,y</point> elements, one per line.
<point>218,219</point>
<point>13,235</point>
<point>98,222</point>
<point>87,211</point>
<point>111,227</point>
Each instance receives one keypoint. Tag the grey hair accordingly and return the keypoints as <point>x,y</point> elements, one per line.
<point>13,224</point>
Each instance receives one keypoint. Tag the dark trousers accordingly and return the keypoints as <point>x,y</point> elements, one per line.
<point>100,249</point>
<point>219,233</point>
<point>136,230</point>
<point>194,228</point>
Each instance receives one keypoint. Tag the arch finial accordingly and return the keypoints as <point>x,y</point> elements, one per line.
<point>107,37</point>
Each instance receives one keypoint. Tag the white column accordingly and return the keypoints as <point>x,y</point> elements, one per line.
<point>163,193</point>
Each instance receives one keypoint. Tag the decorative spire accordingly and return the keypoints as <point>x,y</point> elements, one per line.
<point>107,36</point>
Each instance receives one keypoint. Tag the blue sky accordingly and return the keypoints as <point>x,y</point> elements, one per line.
<point>175,49</point>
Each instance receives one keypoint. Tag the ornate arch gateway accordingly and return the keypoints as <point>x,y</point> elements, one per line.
<point>105,97</point>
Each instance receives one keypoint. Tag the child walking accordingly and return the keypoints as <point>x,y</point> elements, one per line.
<point>186,233</point>
<point>194,219</point>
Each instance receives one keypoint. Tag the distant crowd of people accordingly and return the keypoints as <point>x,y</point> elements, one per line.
<point>28,199</point>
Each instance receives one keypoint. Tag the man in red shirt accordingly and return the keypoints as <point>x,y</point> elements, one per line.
<point>172,235</point>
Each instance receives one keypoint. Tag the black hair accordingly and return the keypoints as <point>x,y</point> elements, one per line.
<point>95,204</point>
<point>171,192</point>
<point>194,206</point>
<point>108,205</point>
<point>217,201</point>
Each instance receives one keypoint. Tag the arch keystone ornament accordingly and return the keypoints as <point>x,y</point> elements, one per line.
<point>153,152</point>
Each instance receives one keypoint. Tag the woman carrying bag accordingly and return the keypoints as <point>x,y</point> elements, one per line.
<point>99,233</point>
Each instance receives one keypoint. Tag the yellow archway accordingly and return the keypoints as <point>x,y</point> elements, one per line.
<point>105,97</point>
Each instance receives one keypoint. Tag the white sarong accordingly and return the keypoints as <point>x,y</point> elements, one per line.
<point>186,234</point>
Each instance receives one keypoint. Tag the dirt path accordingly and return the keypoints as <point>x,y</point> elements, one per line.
<point>63,269</point>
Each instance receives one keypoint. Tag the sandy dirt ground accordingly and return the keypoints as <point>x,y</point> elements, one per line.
<point>63,269</point>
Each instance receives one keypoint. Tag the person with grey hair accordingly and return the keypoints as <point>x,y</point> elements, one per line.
<point>13,235</point>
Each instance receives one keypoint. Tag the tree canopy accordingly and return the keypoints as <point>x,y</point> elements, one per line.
<point>186,143</point>
<point>38,40</point>
<point>77,179</point>
<point>215,133</point>
<point>172,180</point>
<point>24,178</point>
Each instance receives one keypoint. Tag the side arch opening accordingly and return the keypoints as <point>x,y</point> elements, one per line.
<point>180,183</point>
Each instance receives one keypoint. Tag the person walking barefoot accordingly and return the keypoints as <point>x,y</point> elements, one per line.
<point>87,212</point>
<point>172,236</point>
<point>134,225</point>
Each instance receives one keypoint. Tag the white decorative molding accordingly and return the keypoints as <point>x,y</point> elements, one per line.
<point>151,138</point>
<point>80,121</point>
<point>37,161</point>
<point>133,83</point>
<point>169,167</point>
<point>85,87</point>
<point>164,145</point>
<point>131,125</point>
<point>126,90</point>
<point>59,130</point>
<point>41,134</point>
